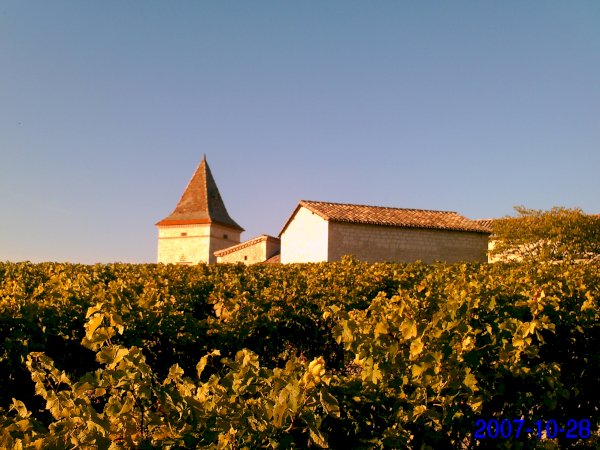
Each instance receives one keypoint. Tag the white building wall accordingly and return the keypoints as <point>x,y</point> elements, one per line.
<point>305,238</point>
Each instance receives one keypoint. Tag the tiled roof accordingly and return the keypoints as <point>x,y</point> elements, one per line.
<point>245,244</point>
<point>276,258</point>
<point>201,202</point>
<point>397,217</point>
<point>485,223</point>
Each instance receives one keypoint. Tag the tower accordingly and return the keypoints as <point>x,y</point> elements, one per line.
<point>199,225</point>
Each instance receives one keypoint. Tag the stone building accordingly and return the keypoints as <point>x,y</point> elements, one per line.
<point>200,230</point>
<point>263,248</point>
<point>199,225</point>
<point>324,231</point>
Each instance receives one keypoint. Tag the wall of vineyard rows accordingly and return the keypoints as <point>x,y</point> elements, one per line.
<point>338,355</point>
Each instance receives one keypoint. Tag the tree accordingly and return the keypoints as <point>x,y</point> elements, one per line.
<point>558,234</point>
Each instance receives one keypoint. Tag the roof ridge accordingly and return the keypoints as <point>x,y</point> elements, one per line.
<point>381,207</point>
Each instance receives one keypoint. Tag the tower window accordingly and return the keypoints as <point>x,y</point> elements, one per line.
<point>225,236</point>
<point>245,258</point>
<point>184,234</point>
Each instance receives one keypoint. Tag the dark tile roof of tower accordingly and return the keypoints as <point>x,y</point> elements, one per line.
<point>201,202</point>
<point>397,217</point>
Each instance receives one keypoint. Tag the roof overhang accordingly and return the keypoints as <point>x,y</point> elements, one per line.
<point>167,222</point>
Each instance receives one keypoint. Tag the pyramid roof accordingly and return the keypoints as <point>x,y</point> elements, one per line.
<point>201,202</point>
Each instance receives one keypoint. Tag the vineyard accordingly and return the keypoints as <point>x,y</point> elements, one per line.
<point>333,355</point>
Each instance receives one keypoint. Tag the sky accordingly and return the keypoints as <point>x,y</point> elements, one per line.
<point>106,109</point>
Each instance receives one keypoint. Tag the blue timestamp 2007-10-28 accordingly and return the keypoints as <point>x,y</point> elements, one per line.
<point>542,429</point>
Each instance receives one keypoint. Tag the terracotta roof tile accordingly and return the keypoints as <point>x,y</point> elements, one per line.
<point>485,223</point>
<point>398,217</point>
<point>276,258</point>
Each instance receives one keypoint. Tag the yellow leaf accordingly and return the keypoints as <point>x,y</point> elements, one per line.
<point>419,410</point>
<point>416,347</point>
<point>380,328</point>
<point>94,323</point>
<point>418,369</point>
<point>470,381</point>
<point>377,375</point>
<point>408,329</point>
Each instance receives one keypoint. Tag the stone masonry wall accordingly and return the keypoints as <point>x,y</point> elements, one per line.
<point>373,243</point>
<point>254,251</point>
<point>193,244</point>
<point>180,244</point>
<point>273,246</point>
<point>221,237</point>
<point>248,255</point>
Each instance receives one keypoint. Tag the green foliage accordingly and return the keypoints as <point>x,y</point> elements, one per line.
<point>340,355</point>
<point>558,234</point>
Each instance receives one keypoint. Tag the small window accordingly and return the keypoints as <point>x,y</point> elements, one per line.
<point>225,236</point>
<point>184,234</point>
<point>245,258</point>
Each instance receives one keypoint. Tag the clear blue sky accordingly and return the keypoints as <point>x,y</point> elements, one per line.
<point>107,107</point>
